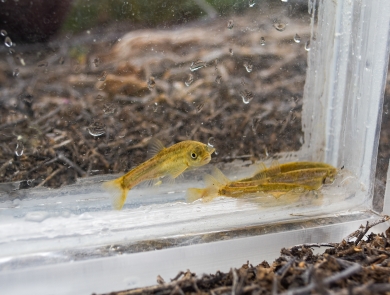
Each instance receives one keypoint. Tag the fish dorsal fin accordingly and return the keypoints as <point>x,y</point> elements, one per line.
<point>261,171</point>
<point>220,177</point>
<point>154,147</point>
<point>274,169</point>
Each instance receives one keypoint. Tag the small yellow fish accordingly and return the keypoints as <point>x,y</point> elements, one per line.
<point>277,168</point>
<point>292,178</point>
<point>313,177</point>
<point>166,162</point>
<point>218,184</point>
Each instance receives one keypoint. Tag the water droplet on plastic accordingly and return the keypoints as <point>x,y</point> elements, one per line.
<point>280,26</point>
<point>19,148</point>
<point>248,66</point>
<point>103,76</point>
<point>151,83</point>
<point>246,96</point>
<point>37,216</point>
<point>211,142</point>
<point>218,79</point>
<point>307,45</point>
<point>3,33</point>
<point>262,41</point>
<point>230,24</point>
<point>196,65</point>
<point>8,41</point>
<point>189,80</point>
<point>109,108</point>
<point>199,107</point>
<point>297,38</point>
<point>231,51</point>
<point>252,3</point>
<point>15,73</point>
<point>96,129</point>
<point>85,216</point>
<point>96,61</point>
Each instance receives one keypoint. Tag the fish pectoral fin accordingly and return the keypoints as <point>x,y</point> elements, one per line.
<point>211,182</point>
<point>220,177</point>
<point>154,147</point>
<point>176,171</point>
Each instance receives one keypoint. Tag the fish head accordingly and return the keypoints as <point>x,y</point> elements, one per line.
<point>199,154</point>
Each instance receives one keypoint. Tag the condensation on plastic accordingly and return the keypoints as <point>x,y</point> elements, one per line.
<point>342,103</point>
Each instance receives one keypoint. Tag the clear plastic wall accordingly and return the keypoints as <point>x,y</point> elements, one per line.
<point>258,80</point>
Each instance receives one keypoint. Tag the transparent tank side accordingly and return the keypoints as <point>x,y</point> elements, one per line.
<point>231,76</point>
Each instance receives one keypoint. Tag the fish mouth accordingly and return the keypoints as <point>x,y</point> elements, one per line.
<point>206,159</point>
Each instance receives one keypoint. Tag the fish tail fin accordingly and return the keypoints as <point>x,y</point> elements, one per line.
<point>207,194</point>
<point>118,192</point>
<point>194,194</point>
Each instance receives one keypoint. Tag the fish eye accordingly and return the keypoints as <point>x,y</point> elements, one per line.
<point>194,155</point>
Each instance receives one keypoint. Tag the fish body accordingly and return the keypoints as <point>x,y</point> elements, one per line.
<point>165,162</point>
<point>277,169</point>
<point>218,184</point>
<point>312,177</point>
<point>287,179</point>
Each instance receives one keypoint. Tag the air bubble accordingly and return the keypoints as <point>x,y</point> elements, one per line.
<point>280,26</point>
<point>196,65</point>
<point>248,66</point>
<point>246,96</point>
<point>189,80</point>
<point>103,76</point>
<point>297,38</point>
<point>96,129</point>
<point>230,24</point>
<point>252,3</point>
<point>211,142</point>
<point>307,45</point>
<point>3,33</point>
<point>19,148</point>
<point>218,79</point>
<point>151,83</point>
<point>8,41</point>
<point>262,41</point>
<point>15,73</point>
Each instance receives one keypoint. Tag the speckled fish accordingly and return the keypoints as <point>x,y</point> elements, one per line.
<point>218,185</point>
<point>313,177</point>
<point>277,169</point>
<point>165,162</point>
<point>276,181</point>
